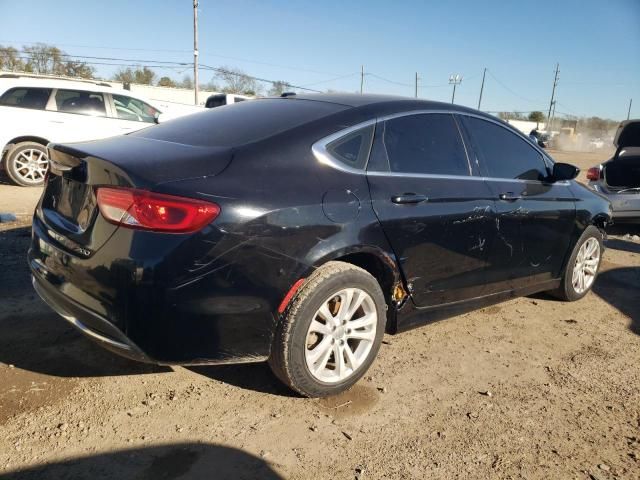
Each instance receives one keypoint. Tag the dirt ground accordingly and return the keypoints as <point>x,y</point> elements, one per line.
<point>531,388</point>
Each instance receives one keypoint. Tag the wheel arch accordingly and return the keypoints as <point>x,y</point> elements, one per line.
<point>601,220</point>
<point>24,138</point>
<point>383,267</point>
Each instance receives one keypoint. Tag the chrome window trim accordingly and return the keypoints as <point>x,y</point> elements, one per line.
<point>321,153</point>
<point>377,173</point>
<point>459,177</point>
<point>319,149</point>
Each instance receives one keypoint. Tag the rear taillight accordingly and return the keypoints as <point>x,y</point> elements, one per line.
<point>593,173</point>
<point>153,211</point>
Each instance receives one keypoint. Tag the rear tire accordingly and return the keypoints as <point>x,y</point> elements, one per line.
<point>27,164</point>
<point>583,266</point>
<point>315,332</point>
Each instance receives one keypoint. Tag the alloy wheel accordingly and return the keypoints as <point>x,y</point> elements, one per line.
<point>586,266</point>
<point>31,165</point>
<point>341,335</point>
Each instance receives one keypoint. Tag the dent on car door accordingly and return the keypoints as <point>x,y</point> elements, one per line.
<point>435,213</point>
<point>535,217</point>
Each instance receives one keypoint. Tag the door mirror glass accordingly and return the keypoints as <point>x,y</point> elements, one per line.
<point>564,171</point>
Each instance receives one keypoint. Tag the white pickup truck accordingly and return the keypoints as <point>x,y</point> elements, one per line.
<point>37,110</point>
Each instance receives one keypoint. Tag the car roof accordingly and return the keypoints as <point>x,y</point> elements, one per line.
<point>10,80</point>
<point>53,82</point>
<point>356,100</point>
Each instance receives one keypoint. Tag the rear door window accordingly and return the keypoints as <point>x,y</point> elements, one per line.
<point>82,102</point>
<point>22,97</point>
<point>128,108</point>
<point>503,153</point>
<point>423,144</point>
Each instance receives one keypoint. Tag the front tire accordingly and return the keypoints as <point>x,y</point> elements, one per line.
<point>583,266</point>
<point>27,164</point>
<point>331,331</point>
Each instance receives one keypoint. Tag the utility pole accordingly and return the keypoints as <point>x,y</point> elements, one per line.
<point>552,118</point>
<point>454,80</point>
<point>416,93</point>
<point>629,111</point>
<point>482,87</point>
<point>553,92</point>
<point>361,78</point>
<point>195,50</point>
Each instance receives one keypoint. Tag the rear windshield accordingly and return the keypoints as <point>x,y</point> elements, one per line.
<point>240,123</point>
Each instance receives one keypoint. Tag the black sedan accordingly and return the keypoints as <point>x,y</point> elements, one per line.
<point>298,230</point>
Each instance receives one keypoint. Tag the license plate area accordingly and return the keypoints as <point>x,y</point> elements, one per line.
<point>73,202</point>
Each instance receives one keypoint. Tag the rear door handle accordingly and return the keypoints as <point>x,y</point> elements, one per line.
<point>409,198</point>
<point>509,196</point>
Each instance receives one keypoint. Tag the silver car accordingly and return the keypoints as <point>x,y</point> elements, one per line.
<point>619,178</point>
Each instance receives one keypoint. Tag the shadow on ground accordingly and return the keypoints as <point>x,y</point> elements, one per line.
<point>185,461</point>
<point>4,180</point>
<point>33,337</point>
<point>620,287</point>
<point>623,245</point>
<point>251,376</point>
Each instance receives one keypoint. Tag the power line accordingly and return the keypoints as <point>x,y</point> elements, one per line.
<point>388,81</point>
<point>538,102</point>
<point>332,79</point>
<point>405,84</point>
<point>266,80</point>
<point>203,55</point>
<point>68,55</point>
<point>169,65</point>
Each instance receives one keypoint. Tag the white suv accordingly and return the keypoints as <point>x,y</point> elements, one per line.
<point>35,111</point>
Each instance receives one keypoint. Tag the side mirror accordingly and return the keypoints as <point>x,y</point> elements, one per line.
<point>156,117</point>
<point>564,171</point>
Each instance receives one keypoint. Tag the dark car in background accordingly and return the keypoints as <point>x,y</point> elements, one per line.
<point>298,230</point>
<point>619,177</point>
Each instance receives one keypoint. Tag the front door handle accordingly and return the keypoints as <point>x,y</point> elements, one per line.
<point>408,198</point>
<point>509,196</point>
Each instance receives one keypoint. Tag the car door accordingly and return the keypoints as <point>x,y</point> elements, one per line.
<point>79,115</point>
<point>130,114</point>
<point>25,107</point>
<point>535,216</point>
<point>436,214</point>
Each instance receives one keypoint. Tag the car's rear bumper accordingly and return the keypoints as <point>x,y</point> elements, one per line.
<point>128,306</point>
<point>626,216</point>
<point>89,323</point>
<point>625,206</point>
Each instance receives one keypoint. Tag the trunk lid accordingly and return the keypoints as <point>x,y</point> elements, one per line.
<point>623,172</point>
<point>627,135</point>
<point>68,207</point>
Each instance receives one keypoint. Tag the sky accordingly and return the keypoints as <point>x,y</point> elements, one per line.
<point>323,44</point>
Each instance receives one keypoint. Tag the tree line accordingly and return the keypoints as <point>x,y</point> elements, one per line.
<point>43,59</point>
<point>47,59</point>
